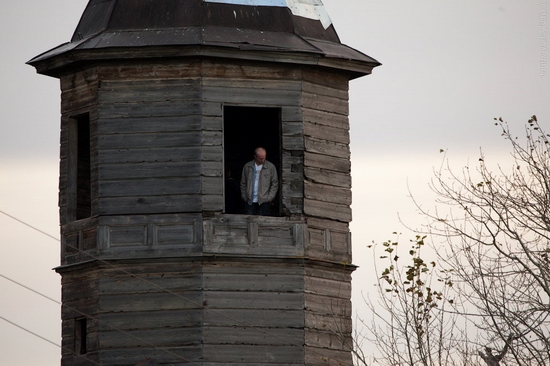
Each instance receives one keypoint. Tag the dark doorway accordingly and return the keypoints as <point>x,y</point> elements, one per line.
<point>245,129</point>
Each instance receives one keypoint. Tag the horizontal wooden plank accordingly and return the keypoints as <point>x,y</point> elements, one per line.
<point>212,123</point>
<point>165,169</point>
<point>327,147</point>
<point>247,83</point>
<point>211,202</point>
<point>258,318</point>
<point>184,354</point>
<point>211,138</point>
<point>330,91</point>
<point>248,70</point>
<point>326,339</point>
<point>80,290</point>
<point>148,266</point>
<point>328,177</point>
<point>327,193</point>
<point>330,322</point>
<point>256,267</point>
<point>327,210</point>
<point>291,114</point>
<point>151,319</point>
<point>292,129</point>
<point>151,301</point>
<point>320,131</point>
<point>328,287</point>
<point>321,77</point>
<point>325,162</point>
<point>149,187</point>
<point>149,204</point>
<point>325,103</point>
<point>253,282</point>
<point>327,357</point>
<point>254,354</point>
<point>252,335</point>
<point>328,306</point>
<point>154,155</point>
<point>211,186</point>
<point>78,79</point>
<point>149,90</point>
<point>192,122</point>
<point>81,307</point>
<point>149,140</point>
<point>150,109</point>
<point>326,118</point>
<point>269,95</point>
<point>80,96</point>
<point>253,300</point>
<point>150,284</point>
<point>157,69</point>
<point>155,337</point>
<point>212,109</point>
<point>293,143</point>
<point>314,222</point>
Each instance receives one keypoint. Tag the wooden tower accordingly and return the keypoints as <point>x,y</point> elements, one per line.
<point>161,103</point>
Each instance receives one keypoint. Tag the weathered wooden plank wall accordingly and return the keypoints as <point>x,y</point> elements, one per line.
<point>328,311</point>
<point>149,141</point>
<point>79,96</point>
<point>254,312</point>
<point>244,310</point>
<point>327,189</point>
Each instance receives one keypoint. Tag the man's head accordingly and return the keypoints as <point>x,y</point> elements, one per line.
<point>259,155</point>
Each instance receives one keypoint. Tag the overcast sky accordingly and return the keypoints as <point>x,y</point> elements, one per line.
<point>448,68</point>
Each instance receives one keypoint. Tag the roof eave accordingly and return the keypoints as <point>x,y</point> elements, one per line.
<point>55,64</point>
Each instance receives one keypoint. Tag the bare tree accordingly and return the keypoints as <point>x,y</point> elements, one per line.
<point>496,226</point>
<point>412,324</point>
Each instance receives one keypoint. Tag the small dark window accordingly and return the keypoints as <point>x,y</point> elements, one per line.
<point>245,129</point>
<point>80,336</point>
<point>80,198</point>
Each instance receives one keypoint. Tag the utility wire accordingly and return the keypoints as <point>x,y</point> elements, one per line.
<point>28,225</point>
<point>45,339</point>
<point>93,318</point>
<point>30,331</point>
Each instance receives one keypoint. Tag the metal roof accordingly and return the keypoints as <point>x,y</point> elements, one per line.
<point>280,26</point>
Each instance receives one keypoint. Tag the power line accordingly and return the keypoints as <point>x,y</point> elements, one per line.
<point>29,331</point>
<point>45,339</point>
<point>93,318</point>
<point>29,225</point>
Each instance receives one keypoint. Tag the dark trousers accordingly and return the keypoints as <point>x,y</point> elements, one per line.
<point>255,209</point>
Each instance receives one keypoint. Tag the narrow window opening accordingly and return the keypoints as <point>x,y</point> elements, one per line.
<point>80,167</point>
<point>80,336</point>
<point>245,129</point>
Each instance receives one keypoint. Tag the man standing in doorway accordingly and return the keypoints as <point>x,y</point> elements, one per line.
<point>259,184</point>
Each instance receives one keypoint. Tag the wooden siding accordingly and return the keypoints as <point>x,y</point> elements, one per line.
<point>79,96</point>
<point>240,299</point>
<point>232,310</point>
<point>328,315</point>
<point>155,125</point>
<point>327,185</point>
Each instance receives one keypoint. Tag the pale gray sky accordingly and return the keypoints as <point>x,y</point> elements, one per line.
<point>448,68</point>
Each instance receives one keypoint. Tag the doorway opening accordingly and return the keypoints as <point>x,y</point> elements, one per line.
<point>245,129</point>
